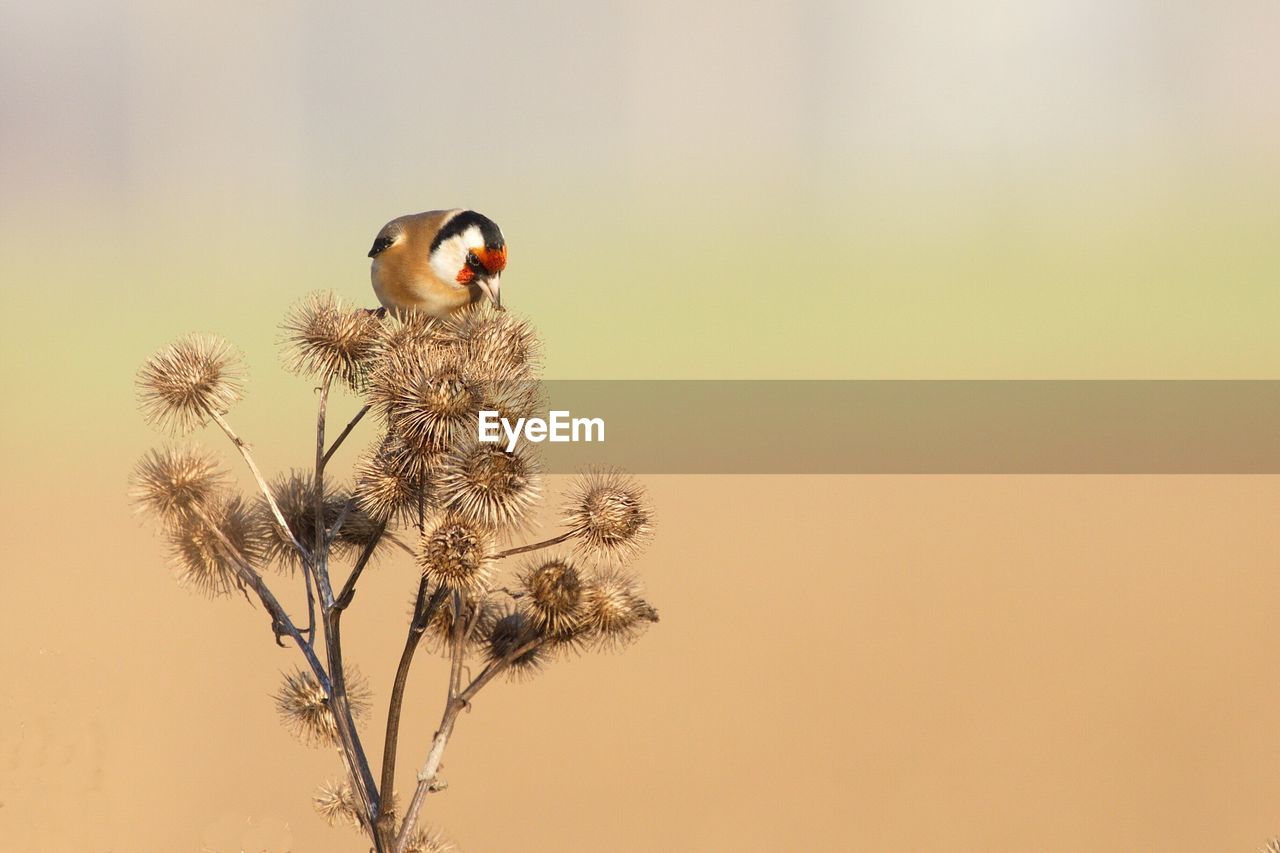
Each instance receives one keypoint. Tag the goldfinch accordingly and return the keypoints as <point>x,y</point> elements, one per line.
<point>438,262</point>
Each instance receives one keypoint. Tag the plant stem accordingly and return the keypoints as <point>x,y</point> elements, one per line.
<point>272,605</point>
<point>320,550</point>
<point>349,588</point>
<point>423,609</point>
<point>455,705</point>
<point>279,516</point>
<point>427,775</point>
<point>352,750</point>
<point>524,549</point>
<point>262,484</point>
<point>342,436</point>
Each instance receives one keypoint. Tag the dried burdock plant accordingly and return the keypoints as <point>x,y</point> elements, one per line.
<point>609,515</point>
<point>327,339</point>
<point>553,596</point>
<point>486,484</point>
<point>205,555</point>
<point>427,485</point>
<point>171,482</point>
<point>457,554</point>
<point>185,384</point>
<point>429,841</point>
<point>336,801</point>
<point>304,709</point>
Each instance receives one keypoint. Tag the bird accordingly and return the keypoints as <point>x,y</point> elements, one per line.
<point>438,262</point>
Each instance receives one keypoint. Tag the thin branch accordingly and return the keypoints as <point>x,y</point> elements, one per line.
<point>352,750</point>
<point>459,639</point>
<point>280,619</point>
<point>307,583</point>
<point>342,436</point>
<point>424,609</point>
<point>344,597</point>
<point>455,705</point>
<point>318,497</point>
<point>339,521</point>
<point>524,549</point>
<point>243,447</point>
<point>262,484</point>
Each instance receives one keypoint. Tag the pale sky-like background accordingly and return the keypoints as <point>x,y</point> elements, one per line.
<point>808,189</point>
<point>814,189</point>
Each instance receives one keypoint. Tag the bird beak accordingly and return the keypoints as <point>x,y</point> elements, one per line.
<point>490,286</point>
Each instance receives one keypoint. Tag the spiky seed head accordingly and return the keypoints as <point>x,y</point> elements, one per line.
<point>180,386</point>
<point>438,637</point>
<point>484,483</point>
<point>327,338</point>
<point>390,479</point>
<point>609,515</point>
<point>358,530</point>
<point>171,482</point>
<point>509,640</point>
<point>429,401</point>
<point>494,344</point>
<point>409,335</point>
<point>304,707</point>
<point>457,553</point>
<point>337,803</point>
<point>200,556</point>
<point>514,399</point>
<point>1272,846</point>
<point>553,596</point>
<point>429,841</point>
<point>614,612</point>
<point>295,495</point>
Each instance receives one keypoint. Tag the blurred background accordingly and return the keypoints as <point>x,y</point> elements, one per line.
<point>797,190</point>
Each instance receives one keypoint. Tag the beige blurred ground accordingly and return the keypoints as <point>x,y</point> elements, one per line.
<point>843,663</point>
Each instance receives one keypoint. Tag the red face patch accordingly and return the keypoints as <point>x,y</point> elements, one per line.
<point>493,260</point>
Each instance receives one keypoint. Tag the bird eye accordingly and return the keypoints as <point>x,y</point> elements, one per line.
<point>472,259</point>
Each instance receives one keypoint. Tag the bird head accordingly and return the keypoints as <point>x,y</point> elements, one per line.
<point>458,250</point>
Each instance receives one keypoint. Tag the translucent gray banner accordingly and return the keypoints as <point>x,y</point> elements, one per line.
<point>914,427</point>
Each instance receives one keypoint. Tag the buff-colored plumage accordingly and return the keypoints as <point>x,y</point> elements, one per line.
<point>409,276</point>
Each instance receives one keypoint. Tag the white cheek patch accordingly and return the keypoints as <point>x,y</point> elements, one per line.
<point>449,258</point>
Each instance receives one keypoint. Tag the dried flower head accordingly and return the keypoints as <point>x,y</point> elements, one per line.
<point>514,399</point>
<point>304,707</point>
<point>201,556</point>
<point>429,401</point>
<point>1272,846</point>
<point>182,385</point>
<point>614,613</point>
<point>327,338</point>
<point>358,530</point>
<point>515,638</point>
<point>494,344</point>
<point>295,495</point>
<point>429,841</point>
<point>170,482</point>
<point>553,596</point>
<point>484,483</point>
<point>391,479</point>
<point>457,553</point>
<point>337,803</point>
<point>438,636</point>
<point>409,334</point>
<point>609,515</point>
